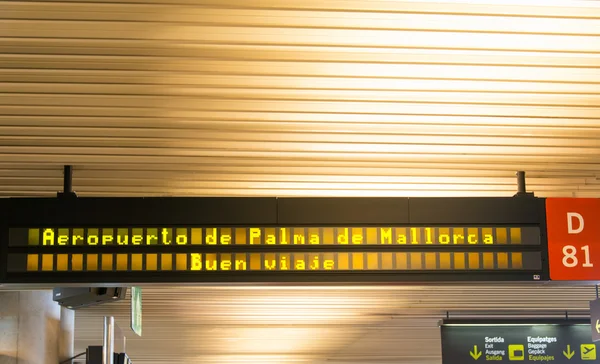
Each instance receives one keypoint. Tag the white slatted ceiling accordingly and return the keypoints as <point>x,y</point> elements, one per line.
<point>337,325</point>
<point>296,98</point>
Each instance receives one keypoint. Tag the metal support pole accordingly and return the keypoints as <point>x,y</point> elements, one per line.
<point>67,184</point>
<point>68,180</point>
<point>521,188</point>
<point>109,340</point>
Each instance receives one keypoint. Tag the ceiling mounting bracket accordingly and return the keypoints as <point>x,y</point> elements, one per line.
<point>521,187</point>
<point>67,184</point>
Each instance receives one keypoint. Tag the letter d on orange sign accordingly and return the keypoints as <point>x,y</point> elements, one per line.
<point>573,226</point>
<point>570,217</point>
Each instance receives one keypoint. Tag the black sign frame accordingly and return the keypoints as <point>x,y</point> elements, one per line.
<point>258,211</point>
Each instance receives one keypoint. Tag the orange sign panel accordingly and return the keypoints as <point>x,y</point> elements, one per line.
<point>573,238</point>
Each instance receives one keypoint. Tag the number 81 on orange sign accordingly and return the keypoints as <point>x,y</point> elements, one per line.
<point>573,226</point>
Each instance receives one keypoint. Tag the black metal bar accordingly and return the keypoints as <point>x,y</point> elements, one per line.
<point>86,279</point>
<point>68,180</point>
<point>544,238</point>
<point>521,183</point>
<point>258,211</point>
<point>67,183</point>
<point>512,320</point>
<point>521,186</point>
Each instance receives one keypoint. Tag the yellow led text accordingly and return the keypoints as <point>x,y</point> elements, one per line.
<point>277,236</point>
<point>298,261</point>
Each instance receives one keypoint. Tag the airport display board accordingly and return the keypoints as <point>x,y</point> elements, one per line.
<point>129,240</point>
<point>554,342</point>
